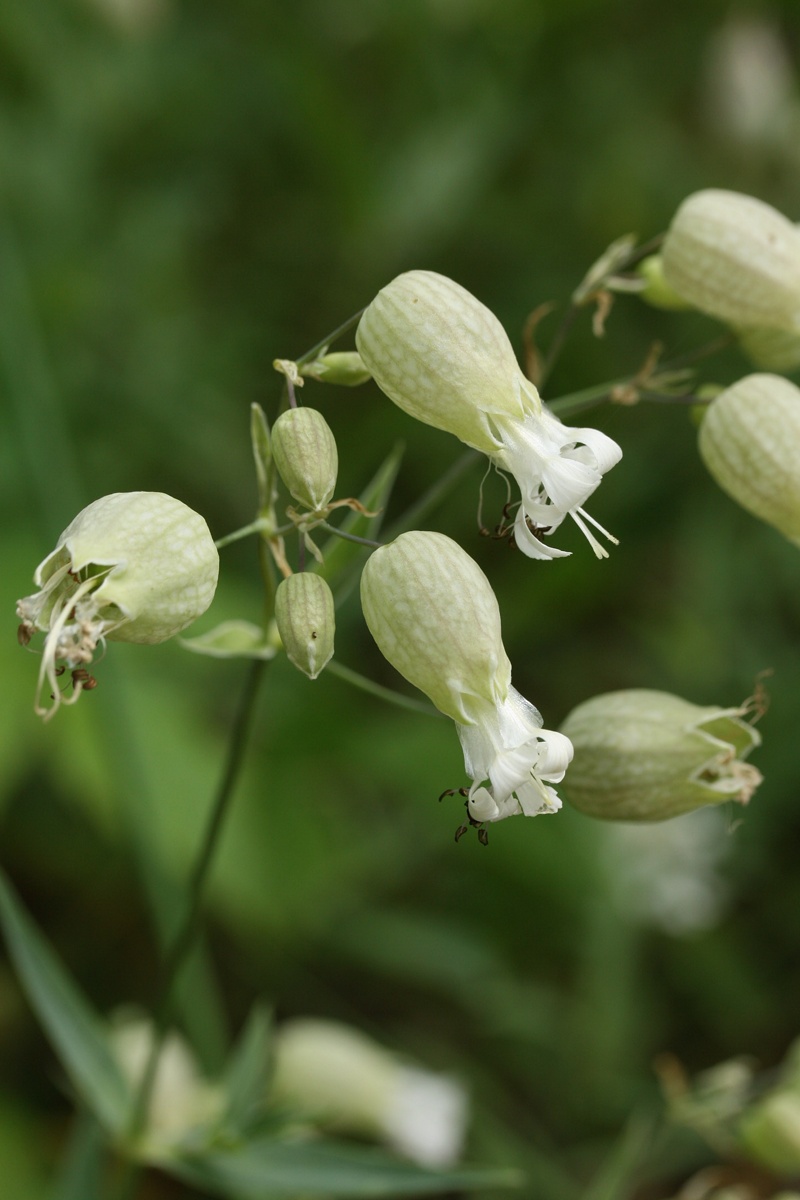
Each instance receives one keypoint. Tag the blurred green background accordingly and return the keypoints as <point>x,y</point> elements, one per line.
<point>188,190</point>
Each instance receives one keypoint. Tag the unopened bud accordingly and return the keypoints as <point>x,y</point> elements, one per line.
<point>645,756</point>
<point>735,258</point>
<point>750,442</point>
<point>656,290</point>
<point>306,621</point>
<point>344,367</point>
<point>305,454</point>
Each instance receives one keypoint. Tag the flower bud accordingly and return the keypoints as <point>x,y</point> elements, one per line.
<point>304,450</point>
<point>656,290</point>
<point>750,442</point>
<point>645,756</point>
<point>132,567</point>
<point>339,1077</point>
<point>344,367</point>
<point>771,349</point>
<point>735,258</point>
<point>306,622</point>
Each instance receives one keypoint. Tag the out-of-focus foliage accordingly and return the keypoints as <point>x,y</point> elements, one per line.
<point>188,191</point>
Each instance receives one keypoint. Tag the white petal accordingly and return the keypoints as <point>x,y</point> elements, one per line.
<point>605,450</point>
<point>530,544</point>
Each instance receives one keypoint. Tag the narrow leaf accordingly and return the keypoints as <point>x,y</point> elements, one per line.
<point>76,1032</point>
<point>271,1169</point>
<point>248,1072</point>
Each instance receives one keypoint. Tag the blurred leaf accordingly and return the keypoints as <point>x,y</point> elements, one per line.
<point>231,639</point>
<point>340,554</point>
<point>268,1168</point>
<point>248,1072</point>
<point>618,1173</point>
<point>74,1029</point>
<point>82,1171</point>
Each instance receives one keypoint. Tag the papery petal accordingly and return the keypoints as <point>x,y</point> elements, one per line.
<point>605,450</point>
<point>530,544</point>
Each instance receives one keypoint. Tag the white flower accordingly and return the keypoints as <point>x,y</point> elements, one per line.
<point>338,1076</point>
<point>131,567</point>
<point>445,359</point>
<point>435,618</point>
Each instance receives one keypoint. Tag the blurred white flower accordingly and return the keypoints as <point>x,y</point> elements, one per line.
<point>334,1074</point>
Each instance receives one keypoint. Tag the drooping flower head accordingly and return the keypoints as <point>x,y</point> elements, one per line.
<point>445,359</point>
<point>132,567</point>
<point>434,616</point>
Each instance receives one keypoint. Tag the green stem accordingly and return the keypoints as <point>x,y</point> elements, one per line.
<point>260,525</point>
<point>434,495</point>
<point>375,689</point>
<point>184,937</point>
<point>349,537</point>
<point>311,354</point>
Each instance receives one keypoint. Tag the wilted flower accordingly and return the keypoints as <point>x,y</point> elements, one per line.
<point>643,755</point>
<point>338,1076</point>
<point>435,618</point>
<point>131,567</point>
<point>445,359</point>
<point>750,441</point>
<point>735,258</point>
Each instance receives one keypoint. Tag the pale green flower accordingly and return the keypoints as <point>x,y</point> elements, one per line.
<point>445,359</point>
<point>435,618</point>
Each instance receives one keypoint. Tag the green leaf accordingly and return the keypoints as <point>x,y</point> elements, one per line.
<point>248,1072</point>
<point>231,639</point>
<point>85,1160</point>
<point>76,1032</point>
<point>266,1169</point>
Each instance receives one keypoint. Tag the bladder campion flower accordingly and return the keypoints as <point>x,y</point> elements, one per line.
<point>735,258</point>
<point>642,755</point>
<point>445,359</point>
<point>306,621</point>
<point>750,442</point>
<point>131,567</point>
<point>434,616</point>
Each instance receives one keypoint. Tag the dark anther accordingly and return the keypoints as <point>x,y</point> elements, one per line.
<point>462,829</point>
<point>483,837</point>
<point>454,792</point>
<point>81,676</point>
<point>59,670</point>
<point>24,633</point>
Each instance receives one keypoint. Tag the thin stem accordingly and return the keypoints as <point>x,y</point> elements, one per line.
<point>349,537</point>
<point>433,496</point>
<point>184,937</point>
<point>376,689</point>
<point>260,525</point>
<point>557,344</point>
<point>311,354</point>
